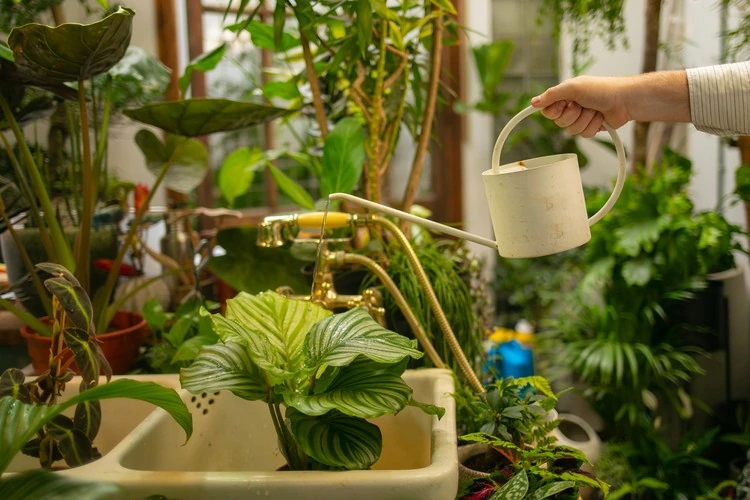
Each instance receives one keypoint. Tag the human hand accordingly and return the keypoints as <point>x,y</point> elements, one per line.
<point>583,104</point>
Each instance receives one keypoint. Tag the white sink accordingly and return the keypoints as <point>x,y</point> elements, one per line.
<point>119,417</point>
<point>233,453</point>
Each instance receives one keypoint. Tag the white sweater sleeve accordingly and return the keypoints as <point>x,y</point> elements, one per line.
<point>720,98</point>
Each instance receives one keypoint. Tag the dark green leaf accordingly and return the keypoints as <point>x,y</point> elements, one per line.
<point>88,355</point>
<point>74,445</point>
<point>43,484</point>
<point>337,440</point>
<point>364,25</point>
<point>223,367</point>
<point>88,418</point>
<point>11,384</point>
<point>74,300</point>
<point>204,62</point>
<point>197,117</point>
<point>71,51</point>
<point>58,270</point>
<point>238,172</point>
<point>279,19</point>
<point>339,339</point>
<point>290,188</point>
<point>343,157</point>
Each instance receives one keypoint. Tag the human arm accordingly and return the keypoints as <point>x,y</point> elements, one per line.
<point>582,104</point>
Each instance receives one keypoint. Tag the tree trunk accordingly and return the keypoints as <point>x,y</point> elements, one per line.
<point>650,53</point>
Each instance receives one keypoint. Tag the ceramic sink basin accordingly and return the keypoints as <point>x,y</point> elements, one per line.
<point>119,417</point>
<point>233,453</point>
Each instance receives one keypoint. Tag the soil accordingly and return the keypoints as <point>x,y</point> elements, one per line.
<point>487,462</point>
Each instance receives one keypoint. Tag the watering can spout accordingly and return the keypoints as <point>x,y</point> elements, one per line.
<point>431,225</point>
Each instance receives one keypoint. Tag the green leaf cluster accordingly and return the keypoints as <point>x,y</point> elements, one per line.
<point>331,372</point>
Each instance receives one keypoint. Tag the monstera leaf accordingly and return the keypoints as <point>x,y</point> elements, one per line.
<point>187,159</point>
<point>71,52</point>
<point>197,117</point>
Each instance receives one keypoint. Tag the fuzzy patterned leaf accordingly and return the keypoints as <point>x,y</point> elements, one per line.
<point>274,325</point>
<point>224,367</point>
<point>363,389</point>
<point>339,339</point>
<point>71,51</point>
<point>337,440</point>
<point>514,489</point>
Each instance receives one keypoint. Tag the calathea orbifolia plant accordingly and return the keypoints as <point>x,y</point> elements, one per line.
<point>31,417</point>
<point>330,372</point>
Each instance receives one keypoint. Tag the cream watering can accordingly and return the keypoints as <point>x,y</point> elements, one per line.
<point>536,206</point>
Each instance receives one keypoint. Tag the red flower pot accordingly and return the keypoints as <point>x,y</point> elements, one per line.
<point>121,345</point>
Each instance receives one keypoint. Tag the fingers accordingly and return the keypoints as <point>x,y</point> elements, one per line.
<point>595,125</point>
<point>570,114</point>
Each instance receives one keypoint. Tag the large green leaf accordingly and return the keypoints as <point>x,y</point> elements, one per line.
<point>339,339</point>
<point>197,117</point>
<point>363,389</point>
<point>337,440</point>
<point>273,327</point>
<point>238,171</point>
<point>224,367</point>
<point>343,157</point>
<point>70,51</point>
<point>187,159</point>
<point>246,267</point>
<point>43,484</point>
<point>19,422</point>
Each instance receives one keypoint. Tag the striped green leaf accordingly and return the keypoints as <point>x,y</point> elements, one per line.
<point>88,418</point>
<point>551,489</point>
<point>74,445</point>
<point>88,355</point>
<point>363,389</point>
<point>273,327</point>
<point>339,339</point>
<point>337,440</point>
<point>59,271</point>
<point>74,301</point>
<point>45,484</point>
<point>224,367</point>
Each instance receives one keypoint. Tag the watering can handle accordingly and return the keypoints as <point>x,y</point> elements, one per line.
<point>621,162</point>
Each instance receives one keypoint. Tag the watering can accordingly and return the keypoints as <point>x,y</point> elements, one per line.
<point>536,206</point>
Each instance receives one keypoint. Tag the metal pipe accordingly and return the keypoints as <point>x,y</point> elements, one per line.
<point>382,275</point>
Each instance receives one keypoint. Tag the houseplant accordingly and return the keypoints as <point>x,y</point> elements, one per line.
<point>330,372</point>
<point>32,417</point>
<point>514,450</point>
<point>91,50</point>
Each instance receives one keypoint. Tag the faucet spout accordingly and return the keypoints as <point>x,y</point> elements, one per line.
<point>432,225</point>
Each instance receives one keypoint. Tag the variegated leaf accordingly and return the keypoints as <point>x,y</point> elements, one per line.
<point>74,301</point>
<point>363,389</point>
<point>88,355</point>
<point>514,489</point>
<point>88,418</point>
<point>339,339</point>
<point>337,440</point>
<point>551,489</point>
<point>19,422</point>
<point>282,324</point>
<point>59,271</point>
<point>224,367</point>
<point>12,384</point>
<point>75,447</point>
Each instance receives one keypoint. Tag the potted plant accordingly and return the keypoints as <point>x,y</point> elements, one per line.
<point>513,451</point>
<point>180,163</point>
<point>31,409</point>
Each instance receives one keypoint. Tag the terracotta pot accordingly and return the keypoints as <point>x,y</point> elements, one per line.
<point>121,346</point>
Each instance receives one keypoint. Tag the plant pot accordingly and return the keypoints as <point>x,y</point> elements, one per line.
<point>233,453</point>
<point>466,452</point>
<point>103,246</point>
<point>119,418</point>
<point>121,346</point>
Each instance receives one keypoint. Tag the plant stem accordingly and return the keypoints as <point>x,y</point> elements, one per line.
<point>277,425</point>
<point>59,246</point>
<point>27,319</point>
<point>101,313</point>
<point>373,165</point>
<point>320,114</point>
<point>75,160</point>
<point>428,114</point>
<point>83,239</point>
<point>58,343</point>
<point>40,290</point>
<point>102,141</point>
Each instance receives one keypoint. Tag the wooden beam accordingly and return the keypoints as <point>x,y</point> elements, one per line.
<point>166,35</point>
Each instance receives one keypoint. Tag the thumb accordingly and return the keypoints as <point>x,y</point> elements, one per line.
<point>548,97</point>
